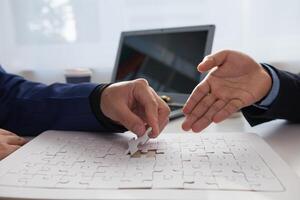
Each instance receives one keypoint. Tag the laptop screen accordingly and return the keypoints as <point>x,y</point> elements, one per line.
<point>166,59</point>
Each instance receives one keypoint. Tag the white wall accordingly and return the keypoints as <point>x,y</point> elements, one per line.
<point>267,29</point>
<point>271,32</point>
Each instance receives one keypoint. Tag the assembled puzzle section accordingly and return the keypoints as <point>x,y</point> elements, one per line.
<point>173,161</point>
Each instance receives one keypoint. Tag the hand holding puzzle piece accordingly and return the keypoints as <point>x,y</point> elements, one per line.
<point>134,143</point>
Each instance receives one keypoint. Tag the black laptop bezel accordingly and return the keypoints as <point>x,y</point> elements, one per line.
<point>208,46</point>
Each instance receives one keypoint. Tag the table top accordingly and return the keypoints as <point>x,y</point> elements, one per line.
<point>282,136</point>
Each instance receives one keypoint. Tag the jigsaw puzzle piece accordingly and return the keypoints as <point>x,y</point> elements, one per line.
<point>134,143</point>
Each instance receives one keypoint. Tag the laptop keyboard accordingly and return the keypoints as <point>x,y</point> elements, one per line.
<point>175,161</point>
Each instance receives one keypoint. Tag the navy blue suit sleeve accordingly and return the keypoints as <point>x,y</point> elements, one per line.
<point>29,108</point>
<point>285,106</point>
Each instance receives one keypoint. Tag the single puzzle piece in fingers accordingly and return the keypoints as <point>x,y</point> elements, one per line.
<point>134,143</point>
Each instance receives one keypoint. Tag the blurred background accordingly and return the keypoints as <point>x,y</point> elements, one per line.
<point>39,39</point>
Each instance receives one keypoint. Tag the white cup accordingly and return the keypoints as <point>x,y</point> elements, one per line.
<point>78,75</point>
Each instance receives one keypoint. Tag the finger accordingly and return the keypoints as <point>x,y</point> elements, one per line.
<point>198,111</point>
<point>14,140</point>
<point>161,127</point>
<point>163,118</point>
<point>197,95</point>
<point>144,96</point>
<point>230,108</point>
<point>6,132</point>
<point>206,119</point>
<point>13,148</point>
<point>6,149</point>
<point>163,114</point>
<point>213,60</point>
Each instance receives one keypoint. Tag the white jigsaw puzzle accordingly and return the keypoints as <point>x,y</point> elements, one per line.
<point>134,143</point>
<point>172,161</point>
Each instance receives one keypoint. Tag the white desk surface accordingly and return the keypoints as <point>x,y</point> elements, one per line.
<point>282,136</point>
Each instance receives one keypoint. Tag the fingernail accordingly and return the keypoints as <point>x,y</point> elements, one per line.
<point>139,129</point>
<point>185,127</point>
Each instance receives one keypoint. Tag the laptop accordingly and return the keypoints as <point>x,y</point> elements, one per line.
<point>166,58</point>
<point>82,165</point>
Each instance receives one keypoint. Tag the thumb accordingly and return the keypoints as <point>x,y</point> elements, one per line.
<point>213,60</point>
<point>130,120</point>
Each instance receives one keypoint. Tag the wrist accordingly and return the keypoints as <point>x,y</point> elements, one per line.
<point>103,95</point>
<point>105,103</point>
<point>96,102</point>
<point>273,92</point>
<point>265,84</point>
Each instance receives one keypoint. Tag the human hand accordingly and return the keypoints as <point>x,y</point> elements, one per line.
<point>9,142</point>
<point>235,81</point>
<point>135,105</point>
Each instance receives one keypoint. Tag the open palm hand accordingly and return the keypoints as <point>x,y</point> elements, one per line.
<point>235,81</point>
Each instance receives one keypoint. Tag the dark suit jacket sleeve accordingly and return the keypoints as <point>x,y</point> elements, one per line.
<point>285,106</point>
<point>29,108</point>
